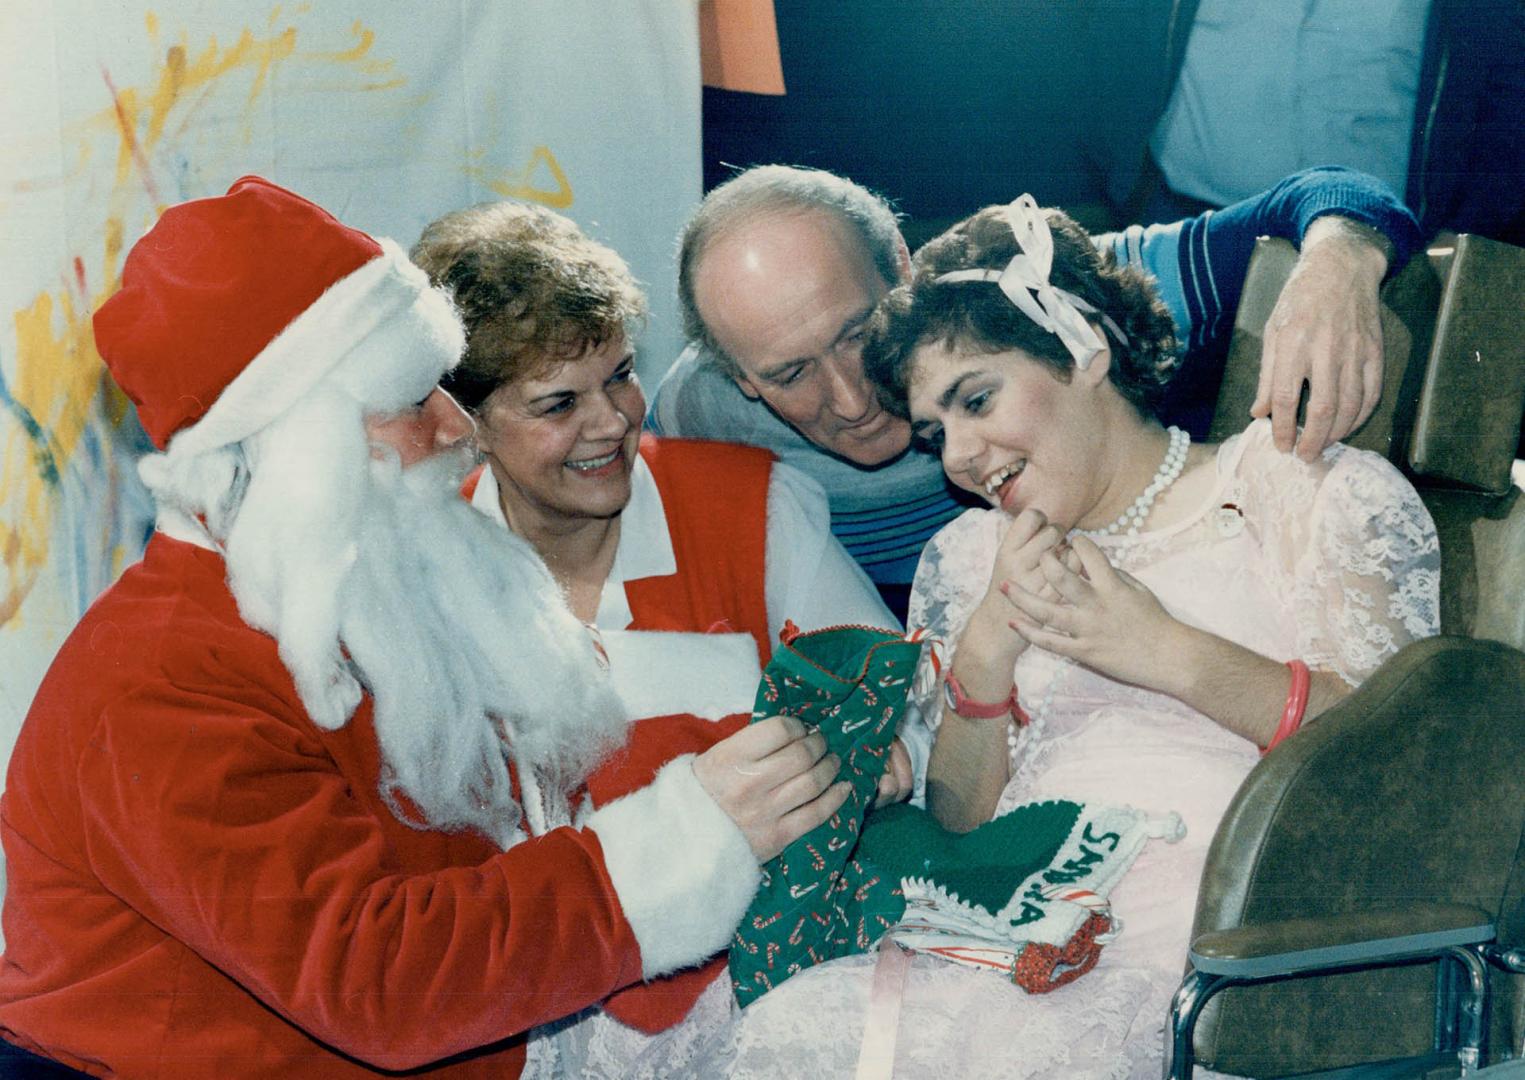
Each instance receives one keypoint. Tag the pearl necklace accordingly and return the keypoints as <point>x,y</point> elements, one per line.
<point>1130,519</point>
<point>1169,470</point>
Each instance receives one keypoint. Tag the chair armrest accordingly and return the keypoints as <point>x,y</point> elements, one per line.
<point>1294,946</point>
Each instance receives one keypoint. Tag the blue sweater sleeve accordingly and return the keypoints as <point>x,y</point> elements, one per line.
<point>1199,263</point>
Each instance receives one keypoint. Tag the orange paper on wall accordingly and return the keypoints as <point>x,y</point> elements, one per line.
<point>738,46</point>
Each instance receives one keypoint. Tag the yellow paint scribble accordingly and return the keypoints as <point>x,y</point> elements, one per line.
<point>358,56</point>
<point>22,549</point>
<point>17,473</point>
<point>522,184</point>
<point>55,387</point>
<point>181,75</point>
<point>63,370</point>
<point>59,390</point>
<point>21,578</point>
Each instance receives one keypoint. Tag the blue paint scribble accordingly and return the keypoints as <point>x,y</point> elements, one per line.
<point>42,452</point>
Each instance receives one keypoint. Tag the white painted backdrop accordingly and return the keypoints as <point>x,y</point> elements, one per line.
<point>387,114</point>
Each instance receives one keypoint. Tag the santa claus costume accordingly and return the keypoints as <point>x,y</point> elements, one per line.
<point>271,811</point>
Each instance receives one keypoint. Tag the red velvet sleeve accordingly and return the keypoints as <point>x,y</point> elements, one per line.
<point>233,831</point>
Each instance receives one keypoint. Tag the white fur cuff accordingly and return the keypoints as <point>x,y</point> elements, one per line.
<point>652,672</point>
<point>683,870</point>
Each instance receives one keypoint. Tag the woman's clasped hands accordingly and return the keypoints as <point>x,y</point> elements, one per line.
<point>1017,564</point>
<point>1066,597</point>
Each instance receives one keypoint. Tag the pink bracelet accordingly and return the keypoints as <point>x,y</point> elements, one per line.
<point>1297,704</point>
<point>958,701</point>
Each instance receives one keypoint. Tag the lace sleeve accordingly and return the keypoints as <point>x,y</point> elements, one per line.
<point>1365,574</point>
<point>952,577</point>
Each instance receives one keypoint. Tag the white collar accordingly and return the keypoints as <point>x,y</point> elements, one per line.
<point>645,544</point>
<point>178,525</point>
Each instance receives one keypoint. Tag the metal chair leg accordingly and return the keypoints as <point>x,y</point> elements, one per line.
<point>1473,1002</point>
<point>1185,1007</point>
<point>1447,1007</point>
<point>1512,961</point>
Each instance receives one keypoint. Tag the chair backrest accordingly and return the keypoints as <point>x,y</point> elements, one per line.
<point>1411,789</point>
<point>1453,325</point>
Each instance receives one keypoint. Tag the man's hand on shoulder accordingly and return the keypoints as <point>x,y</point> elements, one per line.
<point>1325,331</point>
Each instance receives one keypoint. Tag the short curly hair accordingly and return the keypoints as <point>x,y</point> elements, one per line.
<point>532,289</point>
<point>978,315</point>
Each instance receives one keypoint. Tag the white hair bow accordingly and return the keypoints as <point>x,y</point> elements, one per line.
<point>1025,282</point>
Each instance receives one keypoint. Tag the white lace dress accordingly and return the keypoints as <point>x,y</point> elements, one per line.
<point>1334,562</point>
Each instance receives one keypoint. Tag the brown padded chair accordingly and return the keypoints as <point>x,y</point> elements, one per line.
<point>1370,872</point>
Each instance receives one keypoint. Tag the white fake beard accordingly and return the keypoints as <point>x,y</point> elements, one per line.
<point>371,576</point>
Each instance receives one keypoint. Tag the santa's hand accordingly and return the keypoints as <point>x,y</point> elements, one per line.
<point>1325,331</point>
<point>1105,618</point>
<point>774,780</point>
<point>898,778</point>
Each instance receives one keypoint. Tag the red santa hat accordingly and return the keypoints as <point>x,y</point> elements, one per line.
<point>233,308</point>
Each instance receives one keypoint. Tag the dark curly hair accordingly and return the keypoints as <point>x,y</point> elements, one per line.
<point>532,290</point>
<point>978,315</point>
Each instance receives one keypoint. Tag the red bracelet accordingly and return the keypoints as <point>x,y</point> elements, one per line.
<point>959,702</point>
<point>1297,704</point>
